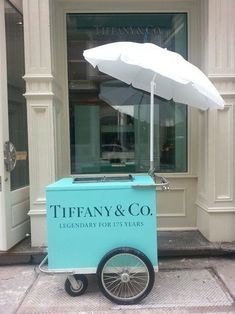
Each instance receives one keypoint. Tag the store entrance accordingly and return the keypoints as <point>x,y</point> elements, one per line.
<point>14,189</point>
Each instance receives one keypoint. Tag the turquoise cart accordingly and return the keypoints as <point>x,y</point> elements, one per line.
<point>104,226</point>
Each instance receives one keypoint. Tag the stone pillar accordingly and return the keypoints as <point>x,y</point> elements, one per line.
<point>215,200</point>
<point>43,109</point>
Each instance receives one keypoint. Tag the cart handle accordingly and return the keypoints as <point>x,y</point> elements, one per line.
<point>43,262</point>
<point>143,186</point>
<point>44,268</point>
<point>164,184</point>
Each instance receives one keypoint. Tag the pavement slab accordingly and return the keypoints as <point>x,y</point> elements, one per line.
<point>15,282</point>
<point>174,289</point>
<point>223,267</point>
<point>198,285</point>
<point>226,272</point>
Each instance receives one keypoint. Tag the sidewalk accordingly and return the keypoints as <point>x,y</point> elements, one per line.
<point>198,285</point>
<point>195,276</point>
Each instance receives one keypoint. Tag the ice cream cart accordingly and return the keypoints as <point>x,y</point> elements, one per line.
<point>104,226</point>
<point>107,225</point>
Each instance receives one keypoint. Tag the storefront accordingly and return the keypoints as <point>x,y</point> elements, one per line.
<point>83,122</point>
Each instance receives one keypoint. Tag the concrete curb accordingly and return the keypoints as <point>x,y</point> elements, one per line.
<point>170,244</point>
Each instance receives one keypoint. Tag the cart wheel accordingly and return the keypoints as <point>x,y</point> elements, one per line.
<point>125,275</point>
<point>76,285</point>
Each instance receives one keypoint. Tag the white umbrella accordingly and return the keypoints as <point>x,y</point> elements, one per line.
<point>158,71</point>
<point>122,97</point>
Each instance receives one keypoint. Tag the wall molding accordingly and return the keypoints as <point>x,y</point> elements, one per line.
<point>42,85</point>
<point>214,209</point>
<point>223,151</point>
<point>182,193</point>
<point>40,201</point>
<point>224,83</point>
<point>221,37</point>
<point>177,229</point>
<point>37,212</point>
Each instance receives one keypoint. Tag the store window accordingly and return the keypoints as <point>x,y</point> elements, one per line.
<point>109,120</point>
<point>17,112</point>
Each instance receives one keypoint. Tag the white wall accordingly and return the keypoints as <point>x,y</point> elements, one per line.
<point>215,199</point>
<point>47,98</point>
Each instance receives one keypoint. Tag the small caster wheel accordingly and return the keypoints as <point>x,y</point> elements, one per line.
<point>76,285</point>
<point>125,275</point>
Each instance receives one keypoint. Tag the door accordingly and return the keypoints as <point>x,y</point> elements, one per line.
<point>14,176</point>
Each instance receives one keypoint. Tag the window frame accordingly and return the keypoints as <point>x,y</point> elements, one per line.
<point>76,65</point>
<point>192,8</point>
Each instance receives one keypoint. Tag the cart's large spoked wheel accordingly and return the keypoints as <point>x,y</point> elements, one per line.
<point>125,275</point>
<point>76,285</point>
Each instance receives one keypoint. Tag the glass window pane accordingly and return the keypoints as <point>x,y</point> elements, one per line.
<point>109,120</point>
<point>16,101</point>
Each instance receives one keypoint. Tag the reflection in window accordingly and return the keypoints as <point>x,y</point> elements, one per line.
<point>109,120</point>
<point>15,89</point>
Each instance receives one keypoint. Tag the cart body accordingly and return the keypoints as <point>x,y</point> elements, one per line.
<point>86,219</point>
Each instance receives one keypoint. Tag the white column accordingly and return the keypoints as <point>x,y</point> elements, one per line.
<point>43,110</point>
<point>216,198</point>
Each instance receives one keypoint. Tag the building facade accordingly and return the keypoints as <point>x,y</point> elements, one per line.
<point>73,127</point>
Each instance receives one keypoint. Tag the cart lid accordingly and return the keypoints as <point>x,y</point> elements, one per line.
<point>102,182</point>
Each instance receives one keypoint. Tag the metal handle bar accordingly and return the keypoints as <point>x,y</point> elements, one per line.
<point>43,262</point>
<point>143,186</point>
<point>43,267</point>
<point>164,184</point>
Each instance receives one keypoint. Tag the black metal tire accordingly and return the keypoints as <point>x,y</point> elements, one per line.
<point>83,284</point>
<point>123,285</point>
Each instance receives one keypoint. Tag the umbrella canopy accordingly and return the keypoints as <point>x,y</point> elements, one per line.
<point>117,93</point>
<point>138,64</point>
<point>156,70</point>
<point>127,100</point>
<point>122,97</point>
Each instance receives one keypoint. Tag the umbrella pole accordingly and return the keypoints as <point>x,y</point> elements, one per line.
<point>152,125</point>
